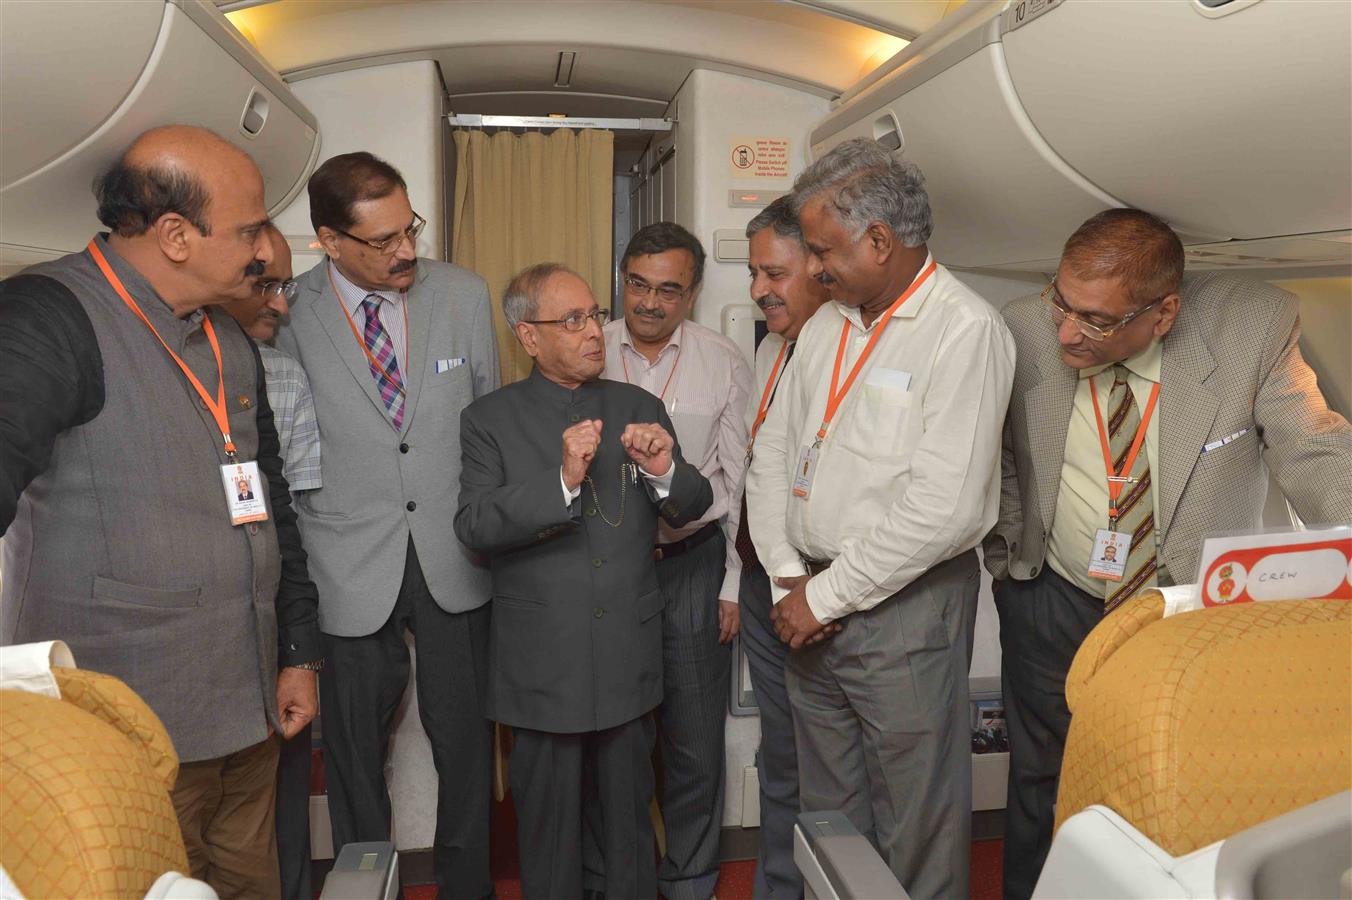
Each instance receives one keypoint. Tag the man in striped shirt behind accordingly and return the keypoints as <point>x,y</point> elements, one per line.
<point>293,415</point>
<point>704,381</point>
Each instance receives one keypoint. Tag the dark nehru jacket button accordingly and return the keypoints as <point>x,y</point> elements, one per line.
<point>598,612</point>
<point>574,418</point>
<point>410,506</point>
<point>596,563</point>
<point>592,511</point>
<point>403,448</point>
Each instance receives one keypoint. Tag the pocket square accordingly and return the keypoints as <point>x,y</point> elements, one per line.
<point>445,365</point>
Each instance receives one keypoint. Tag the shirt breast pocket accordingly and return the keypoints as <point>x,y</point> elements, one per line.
<point>877,427</point>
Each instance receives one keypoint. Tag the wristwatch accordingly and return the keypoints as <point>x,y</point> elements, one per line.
<point>316,666</point>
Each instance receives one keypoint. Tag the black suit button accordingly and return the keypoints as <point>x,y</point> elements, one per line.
<point>403,448</point>
<point>1033,571</point>
<point>410,506</point>
<point>598,612</point>
<point>592,511</point>
<point>574,418</point>
<point>596,563</point>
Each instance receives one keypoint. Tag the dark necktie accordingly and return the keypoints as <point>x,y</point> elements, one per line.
<point>746,550</point>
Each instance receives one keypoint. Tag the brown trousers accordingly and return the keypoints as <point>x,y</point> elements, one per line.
<point>226,812</point>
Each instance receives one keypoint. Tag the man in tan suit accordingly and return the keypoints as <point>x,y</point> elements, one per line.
<point>1195,390</point>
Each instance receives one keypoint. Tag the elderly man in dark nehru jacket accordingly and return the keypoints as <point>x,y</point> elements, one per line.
<point>562,482</point>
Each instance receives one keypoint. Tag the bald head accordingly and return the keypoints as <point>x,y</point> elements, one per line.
<point>185,207</point>
<point>172,169</point>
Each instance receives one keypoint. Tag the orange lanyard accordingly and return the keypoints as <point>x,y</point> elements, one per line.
<point>662,396</point>
<point>765,396</point>
<point>834,397</point>
<point>398,383</point>
<point>217,406</point>
<point>1117,479</point>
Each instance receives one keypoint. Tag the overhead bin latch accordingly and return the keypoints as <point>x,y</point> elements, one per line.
<point>255,114</point>
<point>887,132</point>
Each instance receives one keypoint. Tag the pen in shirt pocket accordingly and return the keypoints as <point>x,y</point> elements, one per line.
<point>1217,444</point>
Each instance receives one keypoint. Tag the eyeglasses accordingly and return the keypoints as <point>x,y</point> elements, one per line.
<point>388,246</point>
<point>1052,297</point>
<point>665,292</point>
<point>274,289</point>
<point>576,321</point>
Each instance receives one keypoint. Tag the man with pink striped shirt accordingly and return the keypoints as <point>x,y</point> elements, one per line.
<point>704,381</point>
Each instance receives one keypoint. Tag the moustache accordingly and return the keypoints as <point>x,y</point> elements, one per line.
<point>650,313</point>
<point>823,278</point>
<point>403,265</point>
<point>254,269</point>
<point>769,301</point>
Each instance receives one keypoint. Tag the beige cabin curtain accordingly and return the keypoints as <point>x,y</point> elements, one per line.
<point>522,199</point>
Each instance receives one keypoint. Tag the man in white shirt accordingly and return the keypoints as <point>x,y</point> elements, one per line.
<point>875,475</point>
<point>703,381</point>
<point>789,296</point>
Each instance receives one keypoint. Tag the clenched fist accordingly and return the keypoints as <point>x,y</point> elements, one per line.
<point>649,446</point>
<point>579,448</point>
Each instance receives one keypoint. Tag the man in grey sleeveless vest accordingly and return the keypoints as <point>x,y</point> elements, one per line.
<point>395,347</point>
<point>116,499</point>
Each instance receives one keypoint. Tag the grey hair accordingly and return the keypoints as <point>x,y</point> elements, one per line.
<point>868,184</point>
<point>782,216</point>
<point>521,300</point>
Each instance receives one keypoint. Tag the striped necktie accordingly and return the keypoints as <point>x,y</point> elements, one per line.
<point>1136,504</point>
<point>384,365</point>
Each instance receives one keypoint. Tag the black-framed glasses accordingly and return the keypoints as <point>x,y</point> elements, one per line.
<point>665,292</point>
<point>388,246</point>
<point>274,289</point>
<point>1060,313</point>
<point>576,321</point>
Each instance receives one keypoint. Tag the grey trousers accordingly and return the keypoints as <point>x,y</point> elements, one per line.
<point>598,785</point>
<point>691,719</point>
<point>882,719</point>
<point>777,875</point>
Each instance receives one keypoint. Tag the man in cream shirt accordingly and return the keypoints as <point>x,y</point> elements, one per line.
<point>875,475</point>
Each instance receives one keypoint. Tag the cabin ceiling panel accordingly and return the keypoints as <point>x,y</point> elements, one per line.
<point>783,42</point>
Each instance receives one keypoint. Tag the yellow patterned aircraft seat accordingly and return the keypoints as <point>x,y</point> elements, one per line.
<point>85,808</point>
<point>1189,729</point>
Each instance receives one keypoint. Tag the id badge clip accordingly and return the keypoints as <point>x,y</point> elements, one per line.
<point>244,492</point>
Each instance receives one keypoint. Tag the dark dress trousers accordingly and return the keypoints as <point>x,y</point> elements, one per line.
<point>575,657</point>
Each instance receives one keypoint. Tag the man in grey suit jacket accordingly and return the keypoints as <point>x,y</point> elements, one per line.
<point>564,476</point>
<point>1235,401</point>
<point>395,347</point>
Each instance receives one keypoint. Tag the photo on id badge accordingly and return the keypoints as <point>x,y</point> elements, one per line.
<point>1109,559</point>
<point>244,493</point>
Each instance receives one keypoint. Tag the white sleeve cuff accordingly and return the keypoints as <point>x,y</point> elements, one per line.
<point>659,485</point>
<point>568,496</point>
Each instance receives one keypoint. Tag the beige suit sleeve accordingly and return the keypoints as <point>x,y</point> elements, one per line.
<point>1307,446</point>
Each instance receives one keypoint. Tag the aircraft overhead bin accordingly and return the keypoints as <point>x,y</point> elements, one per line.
<point>86,76</point>
<point>1229,119</point>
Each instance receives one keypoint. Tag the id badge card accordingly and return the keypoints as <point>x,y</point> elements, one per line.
<point>1109,558</point>
<point>807,468</point>
<point>244,493</point>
